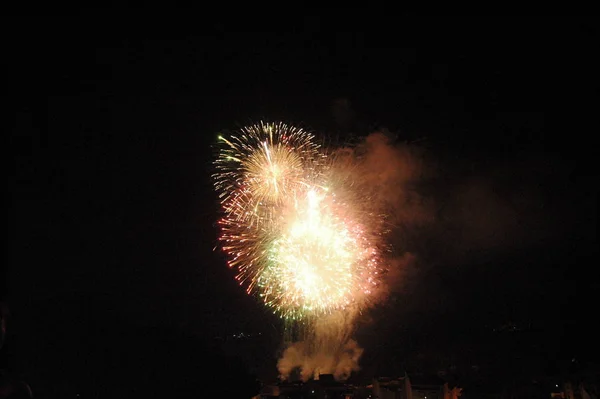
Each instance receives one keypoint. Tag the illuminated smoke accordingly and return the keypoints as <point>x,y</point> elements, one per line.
<point>326,348</point>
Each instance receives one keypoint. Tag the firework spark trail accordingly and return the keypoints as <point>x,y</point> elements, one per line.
<point>296,227</point>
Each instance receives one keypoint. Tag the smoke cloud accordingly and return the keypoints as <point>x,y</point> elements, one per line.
<point>327,348</point>
<point>386,175</point>
<point>443,210</point>
<point>311,363</point>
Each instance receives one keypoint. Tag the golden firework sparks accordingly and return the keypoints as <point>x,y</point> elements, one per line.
<point>295,229</point>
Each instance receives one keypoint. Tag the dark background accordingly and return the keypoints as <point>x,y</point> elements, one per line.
<point>112,281</point>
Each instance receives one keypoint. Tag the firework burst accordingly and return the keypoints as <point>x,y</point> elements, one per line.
<point>260,167</point>
<point>295,226</point>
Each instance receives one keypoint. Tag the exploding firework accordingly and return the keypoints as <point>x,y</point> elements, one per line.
<point>295,226</point>
<point>261,167</point>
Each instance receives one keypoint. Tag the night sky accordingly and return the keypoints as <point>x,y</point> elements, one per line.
<point>112,282</point>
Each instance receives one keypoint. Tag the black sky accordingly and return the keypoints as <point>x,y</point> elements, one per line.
<point>112,211</point>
